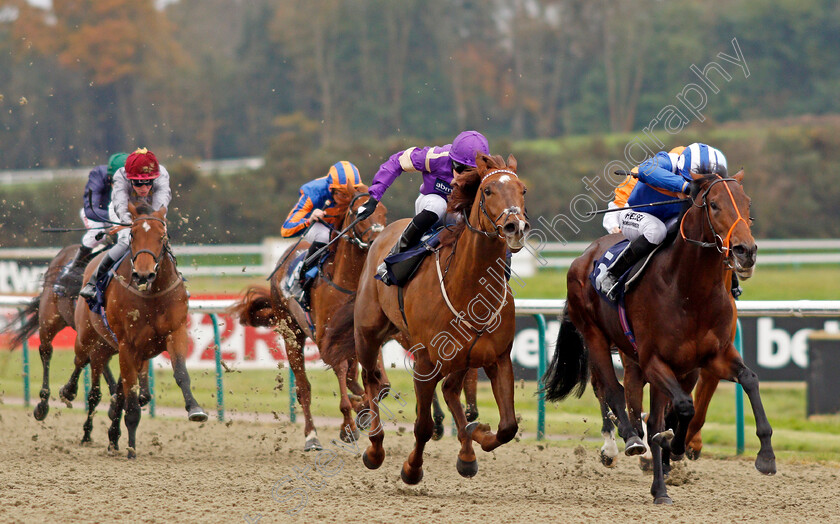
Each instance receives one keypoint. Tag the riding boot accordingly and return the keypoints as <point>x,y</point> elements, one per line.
<point>635,251</point>
<point>736,287</point>
<point>89,291</point>
<point>409,238</point>
<point>306,283</point>
<point>79,261</point>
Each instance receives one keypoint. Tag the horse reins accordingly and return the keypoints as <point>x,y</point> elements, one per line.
<point>724,242</point>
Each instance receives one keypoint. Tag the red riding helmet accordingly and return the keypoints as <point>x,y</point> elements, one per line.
<point>142,165</point>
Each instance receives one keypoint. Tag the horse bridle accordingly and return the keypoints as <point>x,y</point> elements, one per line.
<point>163,248</point>
<point>720,243</point>
<point>506,213</point>
<point>357,237</point>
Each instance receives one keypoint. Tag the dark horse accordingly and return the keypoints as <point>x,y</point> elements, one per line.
<point>683,317</point>
<point>456,319</point>
<point>49,313</point>
<point>333,287</point>
<point>146,306</point>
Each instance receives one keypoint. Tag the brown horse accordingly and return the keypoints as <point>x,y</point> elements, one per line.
<point>48,314</point>
<point>335,285</point>
<point>145,314</point>
<point>683,316</point>
<point>468,298</point>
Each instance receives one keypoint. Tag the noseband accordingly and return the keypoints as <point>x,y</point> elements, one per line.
<point>720,243</point>
<point>504,215</point>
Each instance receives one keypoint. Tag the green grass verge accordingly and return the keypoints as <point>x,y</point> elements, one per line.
<point>795,437</point>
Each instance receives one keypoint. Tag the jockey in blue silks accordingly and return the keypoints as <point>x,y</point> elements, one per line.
<point>438,165</point>
<point>667,171</point>
<point>312,211</point>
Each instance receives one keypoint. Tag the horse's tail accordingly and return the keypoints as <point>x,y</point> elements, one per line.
<point>28,320</point>
<point>339,342</point>
<point>569,368</point>
<point>255,308</point>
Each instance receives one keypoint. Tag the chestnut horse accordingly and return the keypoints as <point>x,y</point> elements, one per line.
<point>49,313</point>
<point>683,317</point>
<point>469,297</point>
<point>145,314</point>
<point>335,285</point>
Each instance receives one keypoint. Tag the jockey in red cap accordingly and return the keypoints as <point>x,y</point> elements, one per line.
<point>142,181</point>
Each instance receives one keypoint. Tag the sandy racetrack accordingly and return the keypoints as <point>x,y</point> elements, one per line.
<point>221,472</point>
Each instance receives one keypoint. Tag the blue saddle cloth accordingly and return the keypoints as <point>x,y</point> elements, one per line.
<point>603,263</point>
<point>97,303</point>
<point>401,267</point>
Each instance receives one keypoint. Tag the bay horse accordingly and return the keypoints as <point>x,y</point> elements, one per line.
<point>683,317</point>
<point>145,314</point>
<point>335,285</point>
<point>48,314</point>
<point>470,298</point>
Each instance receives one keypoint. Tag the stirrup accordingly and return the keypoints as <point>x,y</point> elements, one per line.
<point>382,272</point>
<point>86,290</point>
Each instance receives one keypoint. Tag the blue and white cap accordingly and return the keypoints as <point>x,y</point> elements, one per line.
<point>701,159</point>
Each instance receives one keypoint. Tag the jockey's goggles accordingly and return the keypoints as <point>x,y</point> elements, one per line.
<point>141,183</point>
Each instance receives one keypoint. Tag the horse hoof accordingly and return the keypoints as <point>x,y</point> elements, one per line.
<point>131,454</point>
<point>371,463</point>
<point>66,397</point>
<point>692,454</point>
<point>312,444</point>
<point>634,446</point>
<point>607,460</point>
<point>437,432</point>
<point>677,457</point>
<point>363,423</point>
<point>466,469</point>
<point>411,478</point>
<point>144,399</point>
<point>197,415</point>
<point>663,438</point>
<point>41,411</point>
<point>113,447</point>
<point>663,500</point>
<point>766,466</point>
<point>470,428</point>
<point>86,441</point>
<point>349,437</point>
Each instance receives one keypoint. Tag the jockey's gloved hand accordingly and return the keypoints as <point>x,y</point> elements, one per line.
<point>366,209</point>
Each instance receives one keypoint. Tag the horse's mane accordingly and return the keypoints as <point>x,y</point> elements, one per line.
<point>464,189</point>
<point>144,209</point>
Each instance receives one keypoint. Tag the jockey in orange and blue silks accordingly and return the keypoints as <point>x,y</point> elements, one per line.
<point>312,211</point>
<point>660,177</point>
<point>438,165</point>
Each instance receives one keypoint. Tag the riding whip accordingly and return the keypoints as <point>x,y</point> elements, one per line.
<point>665,203</point>
<point>316,254</point>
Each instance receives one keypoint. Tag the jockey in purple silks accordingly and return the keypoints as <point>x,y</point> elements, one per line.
<point>439,165</point>
<point>94,215</point>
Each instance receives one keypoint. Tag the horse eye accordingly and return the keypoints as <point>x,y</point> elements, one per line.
<point>713,205</point>
<point>487,191</point>
<point>524,190</point>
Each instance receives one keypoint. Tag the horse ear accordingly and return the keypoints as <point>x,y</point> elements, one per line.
<point>160,213</point>
<point>695,176</point>
<point>132,210</point>
<point>511,162</point>
<point>739,176</point>
<point>481,161</point>
<point>351,189</point>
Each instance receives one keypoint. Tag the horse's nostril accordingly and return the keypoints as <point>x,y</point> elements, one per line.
<point>510,228</point>
<point>151,276</point>
<point>527,228</point>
